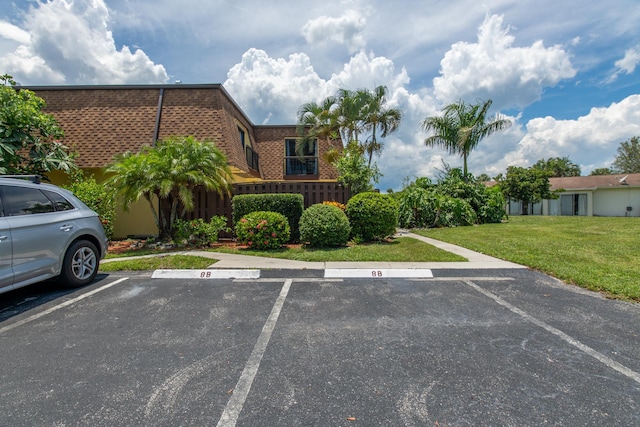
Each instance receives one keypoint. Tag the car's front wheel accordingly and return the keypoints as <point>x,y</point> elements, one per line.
<point>80,264</point>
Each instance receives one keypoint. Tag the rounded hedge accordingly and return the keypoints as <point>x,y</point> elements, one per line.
<point>373,216</point>
<point>263,230</point>
<point>324,225</point>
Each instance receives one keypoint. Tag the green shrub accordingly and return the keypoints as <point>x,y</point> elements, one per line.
<point>324,225</point>
<point>416,208</point>
<point>373,216</point>
<point>263,230</point>
<point>97,197</point>
<point>289,205</point>
<point>453,212</point>
<point>492,210</point>
<point>197,232</point>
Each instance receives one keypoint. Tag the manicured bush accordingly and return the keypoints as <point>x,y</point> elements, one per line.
<point>197,232</point>
<point>324,225</point>
<point>373,216</point>
<point>263,230</point>
<point>97,197</point>
<point>289,205</point>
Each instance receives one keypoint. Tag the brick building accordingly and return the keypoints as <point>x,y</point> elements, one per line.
<point>102,121</point>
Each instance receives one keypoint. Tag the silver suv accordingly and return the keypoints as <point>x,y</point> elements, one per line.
<point>45,232</point>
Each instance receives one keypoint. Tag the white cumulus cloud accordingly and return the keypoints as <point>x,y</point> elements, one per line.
<point>70,42</point>
<point>492,68</point>
<point>596,135</point>
<point>628,63</point>
<point>346,29</point>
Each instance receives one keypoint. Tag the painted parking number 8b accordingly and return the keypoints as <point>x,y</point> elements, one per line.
<point>376,273</point>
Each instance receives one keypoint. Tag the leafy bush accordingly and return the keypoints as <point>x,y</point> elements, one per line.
<point>416,208</point>
<point>492,209</point>
<point>455,200</point>
<point>373,216</point>
<point>197,232</point>
<point>324,225</point>
<point>453,212</point>
<point>289,205</point>
<point>263,230</point>
<point>97,197</point>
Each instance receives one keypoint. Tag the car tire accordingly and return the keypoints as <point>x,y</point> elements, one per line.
<point>80,265</point>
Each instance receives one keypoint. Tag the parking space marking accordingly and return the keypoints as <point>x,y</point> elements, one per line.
<point>565,337</point>
<point>62,305</point>
<point>206,274</point>
<point>378,273</point>
<point>241,391</point>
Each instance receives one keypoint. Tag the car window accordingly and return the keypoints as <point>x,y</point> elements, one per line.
<point>1,208</point>
<point>25,201</point>
<point>59,202</point>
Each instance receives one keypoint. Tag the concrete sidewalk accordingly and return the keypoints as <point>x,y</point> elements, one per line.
<point>476,260</point>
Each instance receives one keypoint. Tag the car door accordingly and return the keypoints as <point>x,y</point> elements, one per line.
<point>6,272</point>
<point>35,231</point>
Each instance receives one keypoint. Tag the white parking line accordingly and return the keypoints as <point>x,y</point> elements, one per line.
<point>567,338</point>
<point>378,273</point>
<point>241,391</point>
<point>59,306</point>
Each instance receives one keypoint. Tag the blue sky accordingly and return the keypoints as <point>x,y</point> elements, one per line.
<point>568,76</point>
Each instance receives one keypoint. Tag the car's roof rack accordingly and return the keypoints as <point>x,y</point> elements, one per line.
<point>33,178</point>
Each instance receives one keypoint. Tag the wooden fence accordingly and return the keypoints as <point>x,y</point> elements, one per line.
<point>209,204</point>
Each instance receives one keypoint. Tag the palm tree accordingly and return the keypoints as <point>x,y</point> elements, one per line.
<point>350,114</point>
<point>377,116</point>
<point>461,128</point>
<point>317,121</point>
<point>170,171</point>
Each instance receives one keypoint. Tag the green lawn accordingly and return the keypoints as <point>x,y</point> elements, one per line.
<point>601,254</point>
<point>166,261</point>
<point>402,249</point>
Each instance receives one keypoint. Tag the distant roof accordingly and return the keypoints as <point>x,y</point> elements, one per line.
<point>595,181</point>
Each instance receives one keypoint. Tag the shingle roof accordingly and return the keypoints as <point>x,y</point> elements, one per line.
<point>102,121</point>
<point>595,181</point>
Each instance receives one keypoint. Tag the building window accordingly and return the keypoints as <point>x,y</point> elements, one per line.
<point>573,204</point>
<point>242,136</point>
<point>301,165</point>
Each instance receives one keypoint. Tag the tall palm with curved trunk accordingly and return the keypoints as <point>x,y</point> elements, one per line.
<point>461,128</point>
<point>377,116</point>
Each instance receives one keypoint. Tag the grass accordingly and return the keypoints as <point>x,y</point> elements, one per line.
<point>596,253</point>
<point>154,263</point>
<point>402,249</point>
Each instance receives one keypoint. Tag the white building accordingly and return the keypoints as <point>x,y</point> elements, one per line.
<point>600,195</point>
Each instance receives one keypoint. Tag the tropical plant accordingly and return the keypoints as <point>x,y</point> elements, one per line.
<point>349,116</point>
<point>317,121</point>
<point>96,196</point>
<point>378,117</point>
<point>628,158</point>
<point>324,225</point>
<point>461,128</point>
<point>373,216</point>
<point>353,171</point>
<point>558,166</point>
<point>168,173</point>
<point>197,232</point>
<point>29,139</point>
<point>263,230</point>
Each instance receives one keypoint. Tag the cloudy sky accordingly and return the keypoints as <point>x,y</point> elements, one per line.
<point>567,75</point>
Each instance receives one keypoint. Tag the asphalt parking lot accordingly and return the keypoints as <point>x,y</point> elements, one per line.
<point>492,347</point>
